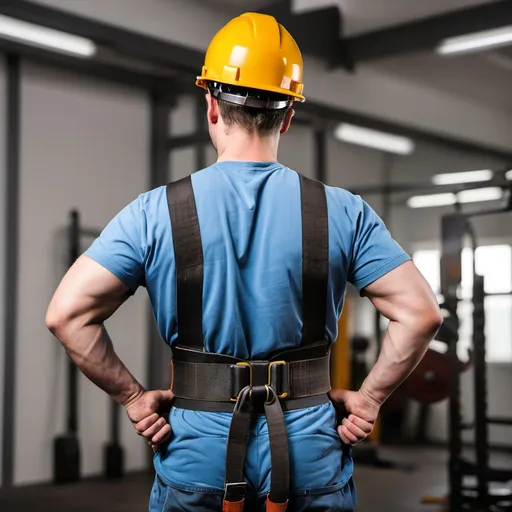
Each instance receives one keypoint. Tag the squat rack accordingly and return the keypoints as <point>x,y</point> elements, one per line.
<point>455,227</point>
<point>165,70</point>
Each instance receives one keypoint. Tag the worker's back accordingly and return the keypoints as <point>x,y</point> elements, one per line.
<point>250,221</point>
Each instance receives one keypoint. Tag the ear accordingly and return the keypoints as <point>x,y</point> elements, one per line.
<point>213,109</point>
<point>287,120</point>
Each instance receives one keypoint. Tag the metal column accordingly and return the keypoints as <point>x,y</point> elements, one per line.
<point>320,150</point>
<point>159,353</point>
<point>200,146</point>
<point>11,217</point>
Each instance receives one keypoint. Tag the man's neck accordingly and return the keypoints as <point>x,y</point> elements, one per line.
<point>244,147</point>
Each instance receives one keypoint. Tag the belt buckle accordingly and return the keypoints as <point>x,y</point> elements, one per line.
<point>280,381</point>
<point>234,492</point>
<point>242,364</point>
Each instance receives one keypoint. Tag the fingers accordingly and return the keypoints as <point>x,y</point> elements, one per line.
<point>365,426</point>
<point>162,435</point>
<point>146,423</point>
<point>350,431</point>
<point>345,435</point>
<point>154,429</point>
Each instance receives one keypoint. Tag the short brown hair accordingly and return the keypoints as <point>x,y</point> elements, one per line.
<point>252,120</point>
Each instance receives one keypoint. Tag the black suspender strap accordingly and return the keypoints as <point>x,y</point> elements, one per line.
<point>315,259</point>
<point>188,255</point>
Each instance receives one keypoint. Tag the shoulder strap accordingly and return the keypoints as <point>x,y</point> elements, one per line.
<point>188,256</point>
<point>315,259</point>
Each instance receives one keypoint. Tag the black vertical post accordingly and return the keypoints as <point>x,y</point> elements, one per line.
<point>387,176</point>
<point>453,229</point>
<point>73,254</point>
<point>387,171</point>
<point>480,379</point>
<point>159,175</point>
<point>11,219</point>
<point>159,163</point>
<point>320,152</point>
<point>200,147</point>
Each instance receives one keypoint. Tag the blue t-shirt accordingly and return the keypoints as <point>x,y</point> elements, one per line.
<point>250,221</point>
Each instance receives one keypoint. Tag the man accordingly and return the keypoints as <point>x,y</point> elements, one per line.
<point>247,261</point>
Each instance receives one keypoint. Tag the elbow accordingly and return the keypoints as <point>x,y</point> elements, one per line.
<point>54,321</point>
<point>57,320</point>
<point>431,320</point>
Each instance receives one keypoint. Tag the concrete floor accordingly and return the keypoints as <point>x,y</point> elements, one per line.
<point>422,471</point>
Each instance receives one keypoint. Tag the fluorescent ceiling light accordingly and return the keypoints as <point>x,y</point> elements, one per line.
<point>508,175</point>
<point>447,199</point>
<point>374,139</point>
<point>431,200</point>
<point>480,194</point>
<point>477,41</point>
<point>37,35</point>
<point>462,177</point>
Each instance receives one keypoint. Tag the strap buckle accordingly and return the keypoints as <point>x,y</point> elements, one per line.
<point>279,378</point>
<point>234,491</point>
<point>240,379</point>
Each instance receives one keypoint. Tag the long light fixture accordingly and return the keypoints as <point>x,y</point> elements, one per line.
<point>480,194</point>
<point>508,175</point>
<point>453,178</point>
<point>477,41</point>
<point>374,139</point>
<point>431,200</point>
<point>40,36</point>
<point>446,199</point>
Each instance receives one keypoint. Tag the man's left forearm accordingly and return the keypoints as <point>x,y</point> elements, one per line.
<point>91,349</point>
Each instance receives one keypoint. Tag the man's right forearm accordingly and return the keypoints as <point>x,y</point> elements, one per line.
<point>402,349</point>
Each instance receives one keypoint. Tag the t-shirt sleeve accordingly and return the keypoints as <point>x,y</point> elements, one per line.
<point>375,252</point>
<point>120,248</point>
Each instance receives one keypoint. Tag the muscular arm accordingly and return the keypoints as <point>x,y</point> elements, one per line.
<point>406,299</point>
<point>87,296</point>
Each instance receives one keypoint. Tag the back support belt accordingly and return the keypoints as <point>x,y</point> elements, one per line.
<point>221,382</point>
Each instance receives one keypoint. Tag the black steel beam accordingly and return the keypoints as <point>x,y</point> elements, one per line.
<point>317,31</point>
<point>11,219</point>
<point>342,115</point>
<point>90,67</point>
<point>426,33</point>
<point>123,41</point>
<point>429,187</point>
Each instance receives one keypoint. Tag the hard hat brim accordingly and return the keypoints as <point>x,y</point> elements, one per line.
<point>201,82</point>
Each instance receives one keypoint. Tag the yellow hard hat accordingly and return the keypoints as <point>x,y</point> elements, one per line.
<point>253,51</point>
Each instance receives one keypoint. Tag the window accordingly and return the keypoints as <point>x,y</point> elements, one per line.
<point>494,262</point>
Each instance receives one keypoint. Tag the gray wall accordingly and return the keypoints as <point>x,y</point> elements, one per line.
<point>85,146</point>
<point>3,108</point>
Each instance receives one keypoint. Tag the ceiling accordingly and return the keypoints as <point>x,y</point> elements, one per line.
<point>484,77</point>
<point>362,15</point>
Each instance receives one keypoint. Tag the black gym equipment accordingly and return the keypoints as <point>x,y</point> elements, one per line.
<point>455,228</point>
<point>66,450</point>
